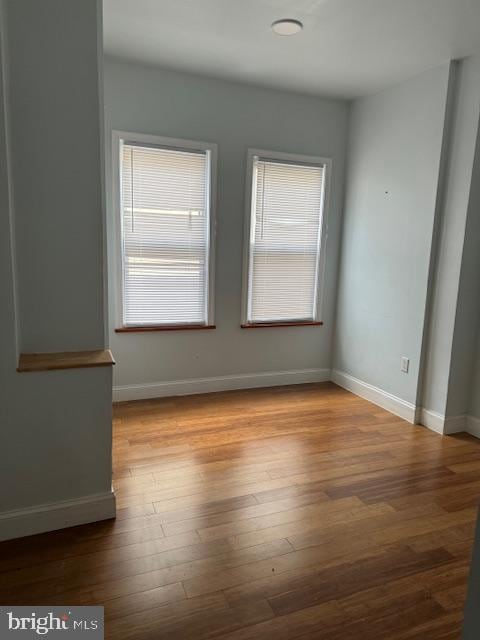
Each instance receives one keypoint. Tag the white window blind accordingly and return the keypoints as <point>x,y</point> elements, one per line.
<point>165,235</point>
<point>285,241</point>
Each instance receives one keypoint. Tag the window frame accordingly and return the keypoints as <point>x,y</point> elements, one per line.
<point>119,138</point>
<point>292,158</point>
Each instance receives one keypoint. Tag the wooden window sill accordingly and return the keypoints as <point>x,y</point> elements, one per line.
<point>170,327</point>
<point>269,325</point>
<point>64,360</point>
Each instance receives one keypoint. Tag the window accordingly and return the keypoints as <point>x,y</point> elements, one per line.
<point>285,239</point>
<point>167,231</point>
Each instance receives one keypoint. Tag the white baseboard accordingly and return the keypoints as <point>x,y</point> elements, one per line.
<point>218,383</point>
<point>448,425</point>
<point>432,420</point>
<point>406,410</point>
<point>473,426</point>
<point>56,515</point>
<point>388,401</point>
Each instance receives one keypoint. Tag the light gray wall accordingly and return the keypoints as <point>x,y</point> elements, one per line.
<point>445,287</point>
<point>393,176</point>
<point>236,117</point>
<point>474,401</point>
<point>55,130</point>
<point>55,436</point>
<point>461,391</point>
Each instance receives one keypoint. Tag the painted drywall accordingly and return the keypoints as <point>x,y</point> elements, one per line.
<point>474,400</point>
<point>467,319</point>
<point>54,130</point>
<point>55,436</point>
<point>392,182</point>
<point>236,117</point>
<point>446,323</point>
<point>8,360</point>
<point>471,622</point>
<point>347,47</point>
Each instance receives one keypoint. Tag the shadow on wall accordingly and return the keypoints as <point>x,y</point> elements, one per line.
<point>471,626</point>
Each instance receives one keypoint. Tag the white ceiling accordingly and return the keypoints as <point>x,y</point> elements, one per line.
<point>347,48</point>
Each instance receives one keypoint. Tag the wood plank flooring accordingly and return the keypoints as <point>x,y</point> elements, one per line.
<point>288,513</point>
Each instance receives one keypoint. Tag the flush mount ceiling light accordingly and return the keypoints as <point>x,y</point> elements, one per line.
<point>287,27</point>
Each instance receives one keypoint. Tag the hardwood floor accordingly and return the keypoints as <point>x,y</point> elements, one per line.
<point>287,513</point>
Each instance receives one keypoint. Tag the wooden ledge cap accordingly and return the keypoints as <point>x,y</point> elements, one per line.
<point>64,360</point>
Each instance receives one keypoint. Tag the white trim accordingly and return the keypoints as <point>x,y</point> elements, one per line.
<point>388,401</point>
<point>437,422</point>
<point>473,426</point>
<point>406,410</point>
<point>56,515</point>
<point>117,289</point>
<point>218,383</point>
<point>432,420</point>
<point>118,138</point>
<point>323,231</point>
<point>447,425</point>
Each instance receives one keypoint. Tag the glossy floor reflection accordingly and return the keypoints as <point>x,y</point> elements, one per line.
<point>293,512</point>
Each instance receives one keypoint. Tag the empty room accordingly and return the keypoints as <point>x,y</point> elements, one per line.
<point>240,319</point>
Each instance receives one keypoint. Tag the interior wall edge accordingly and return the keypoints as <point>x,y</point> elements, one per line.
<point>462,383</point>
<point>101,116</point>
<point>448,130</point>
<point>445,286</point>
<point>4,61</point>
<point>341,232</point>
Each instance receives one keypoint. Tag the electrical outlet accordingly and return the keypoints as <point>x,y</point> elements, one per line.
<point>404,364</point>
